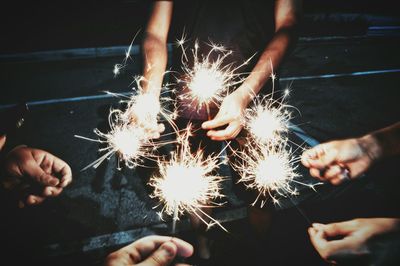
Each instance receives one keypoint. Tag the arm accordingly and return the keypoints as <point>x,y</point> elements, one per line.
<point>326,161</point>
<point>155,52</point>
<point>287,16</point>
<point>287,13</point>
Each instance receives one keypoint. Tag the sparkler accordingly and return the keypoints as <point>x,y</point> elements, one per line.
<point>269,170</point>
<point>267,120</point>
<point>266,169</point>
<point>208,80</point>
<point>186,183</point>
<point>129,142</point>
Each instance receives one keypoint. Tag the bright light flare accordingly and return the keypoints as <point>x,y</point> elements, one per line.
<point>187,183</point>
<point>267,120</point>
<point>209,79</point>
<point>269,170</point>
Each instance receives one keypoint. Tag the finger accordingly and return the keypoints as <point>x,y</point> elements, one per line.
<point>161,128</point>
<point>333,171</point>
<point>314,172</point>
<point>2,141</point>
<point>320,156</point>
<point>146,245</point>
<point>52,191</point>
<point>33,170</point>
<point>341,177</point>
<point>326,249</point>
<point>216,122</point>
<point>230,132</point>
<point>317,239</point>
<point>62,168</point>
<point>34,200</point>
<point>184,248</point>
<point>162,256</point>
<point>336,229</point>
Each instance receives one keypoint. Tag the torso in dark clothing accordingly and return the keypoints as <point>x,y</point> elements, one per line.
<point>244,27</point>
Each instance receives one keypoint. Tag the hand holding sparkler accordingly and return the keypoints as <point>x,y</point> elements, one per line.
<point>337,161</point>
<point>143,111</point>
<point>230,113</point>
<point>353,155</point>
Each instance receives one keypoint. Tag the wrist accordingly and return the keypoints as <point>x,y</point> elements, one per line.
<point>371,147</point>
<point>245,94</point>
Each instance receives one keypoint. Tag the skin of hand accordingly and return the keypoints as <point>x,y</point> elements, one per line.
<point>355,236</point>
<point>40,167</point>
<point>230,113</point>
<point>150,251</point>
<point>148,112</point>
<point>2,141</point>
<point>327,161</point>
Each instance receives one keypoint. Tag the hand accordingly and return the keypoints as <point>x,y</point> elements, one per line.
<point>144,112</point>
<point>40,167</point>
<point>355,236</point>
<point>150,251</point>
<point>231,113</point>
<point>327,161</point>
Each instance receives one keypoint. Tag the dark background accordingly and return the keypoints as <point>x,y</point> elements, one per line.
<point>48,25</point>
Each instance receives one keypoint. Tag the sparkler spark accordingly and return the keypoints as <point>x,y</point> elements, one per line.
<point>129,142</point>
<point>267,169</point>
<point>267,120</point>
<point>117,67</point>
<point>186,183</point>
<point>208,80</point>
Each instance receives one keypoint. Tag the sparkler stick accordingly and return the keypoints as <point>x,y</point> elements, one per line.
<point>175,218</point>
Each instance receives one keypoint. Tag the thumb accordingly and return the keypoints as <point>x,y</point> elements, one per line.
<point>336,229</point>
<point>163,256</point>
<point>216,122</point>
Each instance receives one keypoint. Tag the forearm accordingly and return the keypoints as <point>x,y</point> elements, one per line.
<point>384,142</point>
<point>271,58</point>
<point>155,56</point>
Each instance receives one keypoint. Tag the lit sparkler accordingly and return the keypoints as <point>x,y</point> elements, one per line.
<point>186,183</point>
<point>208,80</point>
<point>129,142</point>
<point>268,170</point>
<point>144,108</point>
<point>267,120</point>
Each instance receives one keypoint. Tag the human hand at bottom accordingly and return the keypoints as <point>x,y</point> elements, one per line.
<point>355,235</point>
<point>25,166</point>
<point>150,251</point>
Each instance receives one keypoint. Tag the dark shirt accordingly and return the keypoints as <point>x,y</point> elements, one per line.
<point>244,27</point>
